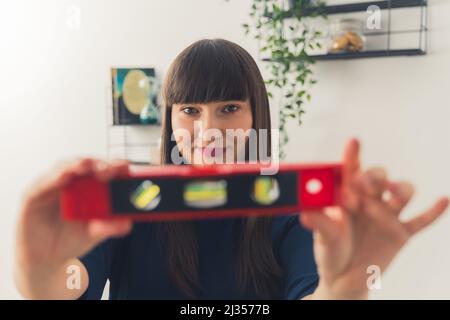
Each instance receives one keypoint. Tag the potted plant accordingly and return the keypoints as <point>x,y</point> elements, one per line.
<point>285,37</point>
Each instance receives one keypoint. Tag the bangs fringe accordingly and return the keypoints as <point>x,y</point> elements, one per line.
<point>207,71</point>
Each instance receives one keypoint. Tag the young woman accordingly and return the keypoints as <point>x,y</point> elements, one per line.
<point>217,83</point>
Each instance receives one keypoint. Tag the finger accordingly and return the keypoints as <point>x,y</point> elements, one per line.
<point>377,210</point>
<point>355,192</point>
<point>82,167</point>
<point>400,195</point>
<point>60,178</point>
<point>350,167</point>
<point>322,224</point>
<point>106,171</point>
<point>428,217</point>
<point>100,230</point>
<point>350,160</point>
<point>373,182</point>
<point>350,200</point>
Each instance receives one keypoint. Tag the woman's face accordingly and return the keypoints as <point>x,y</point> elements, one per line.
<point>206,125</point>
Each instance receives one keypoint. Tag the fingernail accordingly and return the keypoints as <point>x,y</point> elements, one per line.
<point>405,190</point>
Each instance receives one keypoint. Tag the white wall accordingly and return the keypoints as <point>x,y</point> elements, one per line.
<point>400,110</point>
<point>54,93</point>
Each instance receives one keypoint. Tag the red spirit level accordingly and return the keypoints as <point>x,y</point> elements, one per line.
<point>175,192</point>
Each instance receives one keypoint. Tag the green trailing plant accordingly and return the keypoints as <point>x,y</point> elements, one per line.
<point>285,36</point>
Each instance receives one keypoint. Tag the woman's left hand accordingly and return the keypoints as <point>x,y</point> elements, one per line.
<point>365,231</point>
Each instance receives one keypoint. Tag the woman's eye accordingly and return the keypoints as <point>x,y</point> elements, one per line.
<point>189,110</point>
<point>230,108</point>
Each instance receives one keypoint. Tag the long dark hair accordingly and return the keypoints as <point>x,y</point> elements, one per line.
<point>206,71</point>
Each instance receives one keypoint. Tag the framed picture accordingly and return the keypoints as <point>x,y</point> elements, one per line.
<point>135,92</point>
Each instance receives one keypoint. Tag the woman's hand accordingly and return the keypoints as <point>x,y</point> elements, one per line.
<point>46,243</point>
<point>364,231</point>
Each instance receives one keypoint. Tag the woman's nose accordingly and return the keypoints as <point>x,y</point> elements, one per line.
<point>207,128</point>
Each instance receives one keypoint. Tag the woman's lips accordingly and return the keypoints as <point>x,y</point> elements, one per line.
<point>212,151</point>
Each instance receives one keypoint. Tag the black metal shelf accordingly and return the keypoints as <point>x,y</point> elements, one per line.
<point>369,54</point>
<point>126,145</point>
<point>366,54</point>
<point>360,7</point>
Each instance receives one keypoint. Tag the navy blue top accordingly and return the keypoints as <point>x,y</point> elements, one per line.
<point>137,268</point>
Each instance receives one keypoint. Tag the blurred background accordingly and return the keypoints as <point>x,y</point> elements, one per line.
<point>56,58</point>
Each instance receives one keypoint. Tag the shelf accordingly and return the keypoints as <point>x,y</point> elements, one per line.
<point>387,33</point>
<point>366,54</point>
<point>369,54</point>
<point>420,50</point>
<point>360,7</point>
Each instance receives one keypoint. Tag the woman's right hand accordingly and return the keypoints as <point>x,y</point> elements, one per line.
<point>45,242</point>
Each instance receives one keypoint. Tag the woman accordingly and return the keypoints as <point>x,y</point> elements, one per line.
<point>215,83</point>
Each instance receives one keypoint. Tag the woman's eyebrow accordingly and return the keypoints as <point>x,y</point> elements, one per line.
<point>233,101</point>
<point>188,104</point>
<point>218,103</point>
